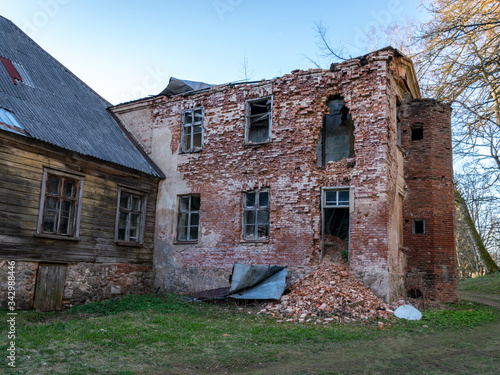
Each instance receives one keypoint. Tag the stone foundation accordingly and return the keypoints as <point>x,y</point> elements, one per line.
<point>84,283</point>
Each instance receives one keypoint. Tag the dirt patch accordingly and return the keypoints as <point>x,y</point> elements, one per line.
<point>486,299</point>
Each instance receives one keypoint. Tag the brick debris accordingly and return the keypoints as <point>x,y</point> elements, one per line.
<point>329,294</point>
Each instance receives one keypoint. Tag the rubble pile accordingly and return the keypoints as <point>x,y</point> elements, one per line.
<point>329,294</point>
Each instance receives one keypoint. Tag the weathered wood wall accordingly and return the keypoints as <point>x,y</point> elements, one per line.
<point>21,168</point>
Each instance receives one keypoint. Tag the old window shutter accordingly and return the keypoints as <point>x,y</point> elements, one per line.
<point>11,69</point>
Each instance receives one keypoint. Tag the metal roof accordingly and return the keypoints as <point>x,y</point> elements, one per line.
<point>54,106</point>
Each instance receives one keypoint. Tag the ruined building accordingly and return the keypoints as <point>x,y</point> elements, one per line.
<point>347,162</point>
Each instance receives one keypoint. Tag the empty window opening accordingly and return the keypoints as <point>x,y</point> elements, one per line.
<point>337,135</point>
<point>415,293</point>
<point>417,133</point>
<point>258,118</point>
<point>418,226</point>
<point>336,223</point>
<point>11,70</point>
<point>192,130</point>
<point>256,215</point>
<point>398,123</point>
<point>188,219</point>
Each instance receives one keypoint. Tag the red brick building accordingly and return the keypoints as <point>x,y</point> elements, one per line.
<point>344,162</point>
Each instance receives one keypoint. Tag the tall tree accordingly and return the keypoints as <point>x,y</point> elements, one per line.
<point>461,63</point>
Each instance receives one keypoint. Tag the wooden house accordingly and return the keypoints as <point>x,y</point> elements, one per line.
<point>77,193</point>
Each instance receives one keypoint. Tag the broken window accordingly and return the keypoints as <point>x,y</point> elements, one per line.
<point>418,226</point>
<point>130,216</point>
<point>336,203</point>
<point>337,135</point>
<point>188,218</point>
<point>256,215</point>
<point>59,204</point>
<point>192,130</point>
<point>258,120</point>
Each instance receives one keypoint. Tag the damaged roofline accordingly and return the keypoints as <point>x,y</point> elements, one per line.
<point>397,53</point>
<point>187,93</point>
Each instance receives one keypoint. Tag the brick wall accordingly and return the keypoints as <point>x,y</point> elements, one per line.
<point>429,197</point>
<point>287,166</point>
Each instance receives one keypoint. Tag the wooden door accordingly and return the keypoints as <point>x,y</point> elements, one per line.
<point>49,289</point>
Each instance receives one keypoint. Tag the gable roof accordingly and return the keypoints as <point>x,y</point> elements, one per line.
<point>54,106</point>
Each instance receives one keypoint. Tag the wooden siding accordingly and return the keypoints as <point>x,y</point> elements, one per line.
<point>22,161</point>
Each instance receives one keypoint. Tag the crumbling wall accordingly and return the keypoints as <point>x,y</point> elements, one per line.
<point>287,166</point>
<point>429,201</point>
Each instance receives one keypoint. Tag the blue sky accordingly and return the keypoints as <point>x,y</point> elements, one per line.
<point>127,49</point>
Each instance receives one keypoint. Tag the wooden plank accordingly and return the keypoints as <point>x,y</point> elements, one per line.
<point>21,168</point>
<point>49,287</point>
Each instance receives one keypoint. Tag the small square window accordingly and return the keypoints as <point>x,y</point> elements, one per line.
<point>418,226</point>
<point>188,218</point>
<point>258,118</point>
<point>130,216</point>
<point>60,203</point>
<point>417,133</point>
<point>192,130</point>
<point>256,215</point>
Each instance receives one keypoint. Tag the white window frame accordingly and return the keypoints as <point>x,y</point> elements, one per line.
<point>255,209</point>
<point>130,211</point>
<point>248,118</point>
<point>189,212</point>
<point>74,235</point>
<point>191,126</point>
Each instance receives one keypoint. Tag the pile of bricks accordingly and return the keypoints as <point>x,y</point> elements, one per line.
<point>329,294</point>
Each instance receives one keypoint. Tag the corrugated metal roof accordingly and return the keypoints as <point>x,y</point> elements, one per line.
<point>56,107</point>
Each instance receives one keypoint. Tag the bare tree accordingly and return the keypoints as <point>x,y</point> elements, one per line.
<point>400,35</point>
<point>245,70</point>
<point>477,228</point>
<point>327,52</point>
<point>460,59</point>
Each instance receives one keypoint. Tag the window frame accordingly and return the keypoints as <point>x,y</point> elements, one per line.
<point>255,209</point>
<point>248,116</point>
<point>142,219</point>
<point>76,215</point>
<point>192,148</point>
<point>349,204</point>
<point>189,213</point>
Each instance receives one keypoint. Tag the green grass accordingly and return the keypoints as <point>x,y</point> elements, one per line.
<point>168,334</point>
<point>482,284</point>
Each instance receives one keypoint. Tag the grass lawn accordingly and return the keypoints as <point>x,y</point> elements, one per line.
<point>166,334</point>
<point>482,284</point>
